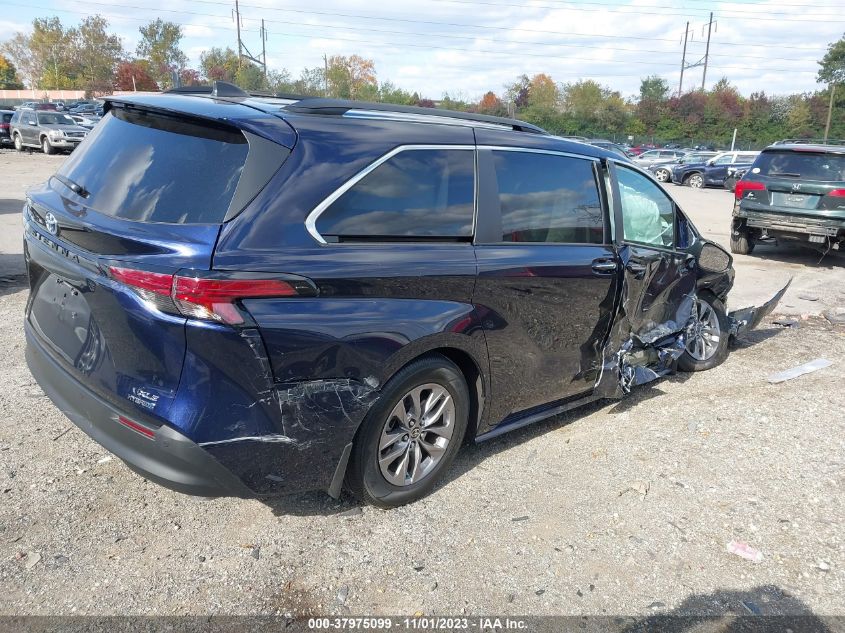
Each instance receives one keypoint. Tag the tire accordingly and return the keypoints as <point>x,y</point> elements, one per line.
<point>694,180</point>
<point>46,147</point>
<point>390,484</point>
<point>709,319</point>
<point>18,143</point>
<point>662,175</point>
<point>741,244</point>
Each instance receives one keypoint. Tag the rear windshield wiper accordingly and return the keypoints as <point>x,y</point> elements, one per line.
<point>784,173</point>
<point>73,186</point>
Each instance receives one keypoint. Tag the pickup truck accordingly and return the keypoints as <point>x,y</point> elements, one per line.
<point>713,172</point>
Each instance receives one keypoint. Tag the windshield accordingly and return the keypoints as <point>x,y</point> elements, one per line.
<point>54,118</point>
<point>806,165</point>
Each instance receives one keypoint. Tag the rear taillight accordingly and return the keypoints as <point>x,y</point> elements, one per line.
<point>747,185</point>
<point>837,193</point>
<point>209,298</point>
<point>215,298</point>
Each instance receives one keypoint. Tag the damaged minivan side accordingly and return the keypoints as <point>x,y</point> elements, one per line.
<point>251,296</point>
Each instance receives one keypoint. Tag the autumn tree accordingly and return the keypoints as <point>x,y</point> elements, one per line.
<point>219,64</point>
<point>8,75</point>
<point>491,104</point>
<point>18,51</point>
<point>134,75</point>
<point>97,53</point>
<point>160,46</point>
<point>543,92</point>
<point>348,77</point>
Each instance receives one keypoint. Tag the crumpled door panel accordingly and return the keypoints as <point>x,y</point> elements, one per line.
<point>655,308</point>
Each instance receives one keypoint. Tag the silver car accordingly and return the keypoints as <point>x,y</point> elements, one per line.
<point>51,131</point>
<point>656,156</point>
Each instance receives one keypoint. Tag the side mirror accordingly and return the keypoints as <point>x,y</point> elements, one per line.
<point>710,161</point>
<point>31,123</point>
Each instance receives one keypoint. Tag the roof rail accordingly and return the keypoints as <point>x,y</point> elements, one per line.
<point>809,141</point>
<point>364,109</point>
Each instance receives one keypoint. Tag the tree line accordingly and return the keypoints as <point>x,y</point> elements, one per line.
<point>87,57</point>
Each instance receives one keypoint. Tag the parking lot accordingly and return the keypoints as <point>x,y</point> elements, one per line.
<point>621,508</point>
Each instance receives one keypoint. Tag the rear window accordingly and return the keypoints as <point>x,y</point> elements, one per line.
<point>7,117</point>
<point>418,193</point>
<point>548,198</point>
<point>154,168</point>
<point>54,118</point>
<point>805,165</point>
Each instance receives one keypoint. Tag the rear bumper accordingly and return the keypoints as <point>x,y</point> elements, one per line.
<point>168,458</point>
<point>790,223</point>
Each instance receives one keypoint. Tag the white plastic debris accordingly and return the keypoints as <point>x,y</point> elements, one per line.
<point>806,368</point>
<point>744,550</point>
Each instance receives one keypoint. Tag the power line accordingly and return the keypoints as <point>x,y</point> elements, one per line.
<point>460,37</point>
<point>637,10</point>
<point>479,26</point>
<point>425,46</point>
<point>450,36</point>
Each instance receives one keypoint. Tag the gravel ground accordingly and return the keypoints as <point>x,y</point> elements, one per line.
<point>618,508</point>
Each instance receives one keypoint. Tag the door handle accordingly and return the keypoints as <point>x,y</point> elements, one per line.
<point>604,266</point>
<point>637,269</point>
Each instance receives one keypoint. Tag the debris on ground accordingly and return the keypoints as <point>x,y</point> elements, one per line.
<point>823,565</point>
<point>786,322</point>
<point>835,315</point>
<point>342,595</point>
<point>808,297</point>
<point>32,559</point>
<point>800,370</point>
<point>744,550</point>
<point>640,487</point>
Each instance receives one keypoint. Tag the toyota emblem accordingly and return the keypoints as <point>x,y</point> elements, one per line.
<point>51,223</point>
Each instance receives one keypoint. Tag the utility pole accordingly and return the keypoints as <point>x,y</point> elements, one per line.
<point>264,49</point>
<point>829,111</point>
<point>707,50</point>
<point>243,50</point>
<point>238,25</point>
<point>683,61</point>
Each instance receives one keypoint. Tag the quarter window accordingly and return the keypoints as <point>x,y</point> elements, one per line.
<point>548,198</point>
<point>418,193</point>
<point>648,215</point>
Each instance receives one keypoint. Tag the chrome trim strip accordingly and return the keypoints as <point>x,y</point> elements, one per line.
<point>409,117</point>
<point>311,220</point>
<point>536,150</point>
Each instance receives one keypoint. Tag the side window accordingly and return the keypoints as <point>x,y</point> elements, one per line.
<point>548,198</point>
<point>727,159</point>
<point>648,214</point>
<point>418,193</point>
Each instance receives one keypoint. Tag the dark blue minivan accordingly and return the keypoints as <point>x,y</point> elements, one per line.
<point>248,296</point>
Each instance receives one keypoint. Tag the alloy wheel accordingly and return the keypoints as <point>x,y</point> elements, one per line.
<point>703,332</point>
<point>661,175</point>
<point>416,434</point>
<point>696,181</point>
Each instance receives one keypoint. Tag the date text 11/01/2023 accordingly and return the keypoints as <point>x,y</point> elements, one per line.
<point>417,623</point>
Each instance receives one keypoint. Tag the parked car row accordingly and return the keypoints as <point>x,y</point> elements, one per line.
<point>711,172</point>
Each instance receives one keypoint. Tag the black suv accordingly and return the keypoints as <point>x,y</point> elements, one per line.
<point>793,191</point>
<point>241,295</point>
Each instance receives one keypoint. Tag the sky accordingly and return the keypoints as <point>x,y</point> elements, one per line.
<point>467,47</point>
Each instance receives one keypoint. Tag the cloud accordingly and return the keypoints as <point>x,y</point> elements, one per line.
<point>468,47</point>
